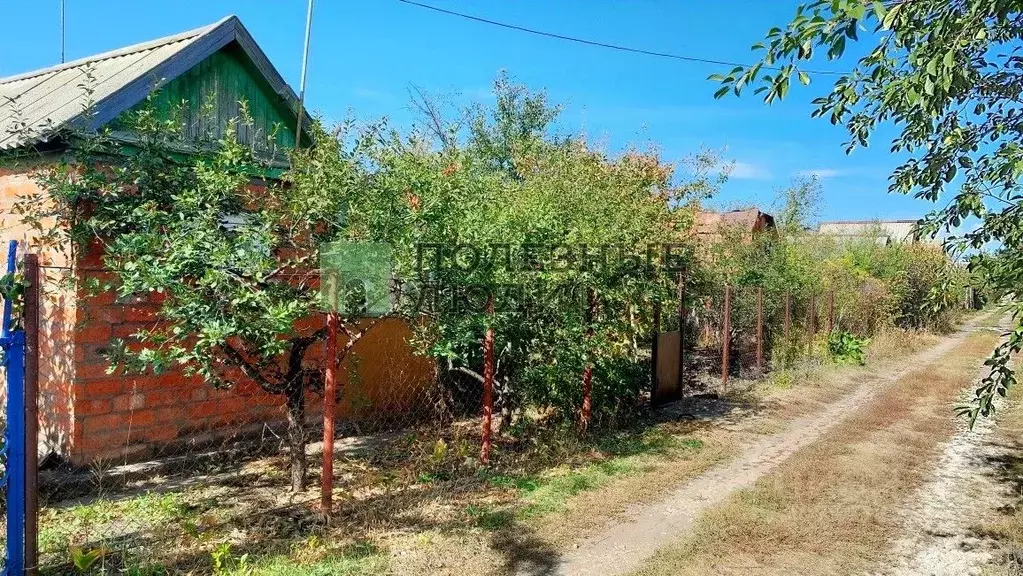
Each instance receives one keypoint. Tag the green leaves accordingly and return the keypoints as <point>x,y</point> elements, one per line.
<point>846,348</point>
<point>926,68</point>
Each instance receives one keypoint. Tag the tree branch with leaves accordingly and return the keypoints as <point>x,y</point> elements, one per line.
<point>948,75</point>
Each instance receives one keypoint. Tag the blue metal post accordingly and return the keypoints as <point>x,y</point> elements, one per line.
<point>13,344</point>
<point>14,361</point>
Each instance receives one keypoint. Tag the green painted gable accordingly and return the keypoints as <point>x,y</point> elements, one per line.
<point>210,95</point>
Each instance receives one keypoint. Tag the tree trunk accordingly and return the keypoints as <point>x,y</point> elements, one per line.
<point>296,436</point>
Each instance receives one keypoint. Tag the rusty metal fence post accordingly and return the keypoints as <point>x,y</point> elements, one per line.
<point>811,324</point>
<point>681,333</point>
<point>591,304</point>
<point>788,315</point>
<point>831,312</point>
<point>654,353</point>
<point>726,336</point>
<point>760,331</point>
<point>488,383</point>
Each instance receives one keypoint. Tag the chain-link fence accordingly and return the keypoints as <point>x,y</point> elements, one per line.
<point>163,469</point>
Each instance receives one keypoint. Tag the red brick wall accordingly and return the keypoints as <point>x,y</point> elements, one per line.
<point>130,417</point>
<point>88,415</point>
<point>57,313</point>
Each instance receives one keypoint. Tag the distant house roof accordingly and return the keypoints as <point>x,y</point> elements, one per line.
<point>37,106</point>
<point>882,230</point>
<point>751,220</point>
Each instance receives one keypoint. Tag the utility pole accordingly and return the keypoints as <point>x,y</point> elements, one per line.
<point>301,83</point>
<point>62,31</point>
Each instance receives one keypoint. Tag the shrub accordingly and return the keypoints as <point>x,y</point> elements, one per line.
<point>846,348</point>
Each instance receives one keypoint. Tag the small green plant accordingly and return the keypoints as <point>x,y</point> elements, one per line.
<point>846,348</point>
<point>440,452</point>
<point>145,570</point>
<point>489,518</point>
<point>225,563</point>
<point>84,560</point>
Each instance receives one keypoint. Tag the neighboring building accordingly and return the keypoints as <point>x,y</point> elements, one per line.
<point>882,231</point>
<point>87,414</point>
<point>712,225</point>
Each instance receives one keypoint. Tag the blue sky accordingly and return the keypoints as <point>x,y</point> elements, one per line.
<point>366,54</point>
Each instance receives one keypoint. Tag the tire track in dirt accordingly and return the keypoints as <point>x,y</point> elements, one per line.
<point>624,546</point>
<point>936,524</point>
<point>937,537</point>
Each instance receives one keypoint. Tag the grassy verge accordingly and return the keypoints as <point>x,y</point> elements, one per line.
<point>419,503</point>
<point>830,509</point>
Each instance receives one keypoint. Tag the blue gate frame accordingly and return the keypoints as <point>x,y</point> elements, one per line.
<point>12,342</point>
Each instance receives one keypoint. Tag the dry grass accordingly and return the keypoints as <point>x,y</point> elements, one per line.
<point>503,540</point>
<point>894,343</point>
<point>419,504</point>
<point>1006,527</point>
<point>830,509</point>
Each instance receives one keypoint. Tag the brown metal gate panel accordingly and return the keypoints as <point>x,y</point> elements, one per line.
<point>667,367</point>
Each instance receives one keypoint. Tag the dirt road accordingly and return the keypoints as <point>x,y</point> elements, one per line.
<point>938,533</point>
<point>625,546</point>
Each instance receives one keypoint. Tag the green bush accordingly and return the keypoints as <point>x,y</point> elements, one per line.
<point>845,348</point>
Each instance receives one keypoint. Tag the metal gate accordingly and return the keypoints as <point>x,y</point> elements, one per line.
<point>12,453</point>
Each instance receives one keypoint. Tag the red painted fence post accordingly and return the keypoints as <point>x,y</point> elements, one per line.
<point>488,383</point>
<point>329,399</point>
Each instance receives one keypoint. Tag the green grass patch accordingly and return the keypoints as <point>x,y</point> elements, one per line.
<point>362,559</point>
<point>625,453</point>
<point>550,494</point>
<point>993,317</point>
<point>489,517</point>
<point>102,518</point>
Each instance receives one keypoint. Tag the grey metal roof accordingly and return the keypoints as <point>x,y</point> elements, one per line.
<point>889,230</point>
<point>36,106</point>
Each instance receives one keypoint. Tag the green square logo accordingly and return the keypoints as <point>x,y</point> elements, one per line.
<point>355,278</point>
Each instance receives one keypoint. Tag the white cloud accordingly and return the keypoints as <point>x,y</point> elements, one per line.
<point>821,173</point>
<point>367,93</point>
<point>748,171</point>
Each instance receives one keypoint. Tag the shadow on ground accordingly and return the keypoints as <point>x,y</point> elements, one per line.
<point>399,487</point>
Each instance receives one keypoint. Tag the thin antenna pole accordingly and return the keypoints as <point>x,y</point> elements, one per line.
<point>301,82</point>
<point>61,31</point>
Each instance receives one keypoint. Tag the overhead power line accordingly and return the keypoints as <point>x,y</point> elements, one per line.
<point>601,44</point>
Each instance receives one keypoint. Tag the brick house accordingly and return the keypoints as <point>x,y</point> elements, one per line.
<point>87,414</point>
<point>710,226</point>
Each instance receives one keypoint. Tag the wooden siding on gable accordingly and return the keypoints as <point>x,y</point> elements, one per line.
<point>211,94</point>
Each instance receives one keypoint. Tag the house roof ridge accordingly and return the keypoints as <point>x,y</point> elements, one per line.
<point>123,51</point>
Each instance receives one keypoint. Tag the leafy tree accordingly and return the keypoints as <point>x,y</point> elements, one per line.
<point>949,76</point>
<point>797,206</point>
<point>231,266</point>
<point>506,183</point>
